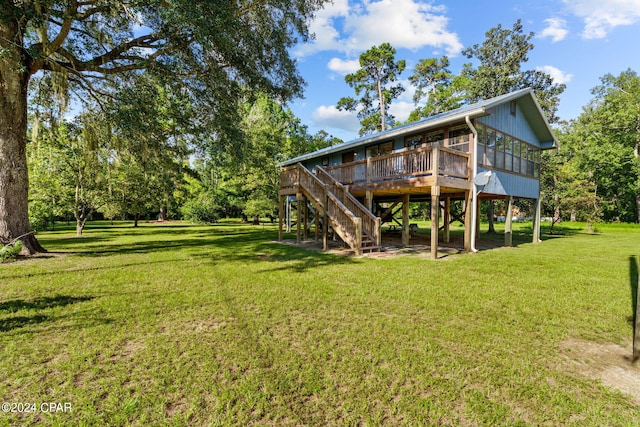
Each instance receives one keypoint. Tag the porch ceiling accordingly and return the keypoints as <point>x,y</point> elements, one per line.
<point>416,187</point>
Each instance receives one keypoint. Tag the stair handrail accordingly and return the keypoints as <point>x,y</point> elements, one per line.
<point>370,222</point>
<point>316,183</point>
<point>352,232</point>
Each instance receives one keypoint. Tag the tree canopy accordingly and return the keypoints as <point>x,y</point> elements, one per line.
<point>88,42</point>
<point>599,154</point>
<point>436,87</point>
<point>372,83</point>
<point>496,69</point>
<point>500,58</point>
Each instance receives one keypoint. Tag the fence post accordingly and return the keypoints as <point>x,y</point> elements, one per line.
<point>435,160</point>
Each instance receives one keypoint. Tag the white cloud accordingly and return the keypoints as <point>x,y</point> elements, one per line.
<point>331,117</point>
<point>556,29</point>
<point>343,67</point>
<point>558,76</point>
<point>403,23</point>
<point>602,16</point>
<point>401,110</point>
<point>327,36</point>
<point>409,24</point>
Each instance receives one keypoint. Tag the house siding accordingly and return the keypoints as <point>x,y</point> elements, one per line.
<point>508,184</point>
<point>518,126</point>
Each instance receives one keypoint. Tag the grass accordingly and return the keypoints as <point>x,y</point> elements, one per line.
<point>219,325</point>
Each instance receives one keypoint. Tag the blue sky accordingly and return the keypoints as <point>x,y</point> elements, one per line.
<point>576,41</point>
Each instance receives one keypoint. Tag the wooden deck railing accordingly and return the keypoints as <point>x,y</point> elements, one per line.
<point>370,222</point>
<point>289,177</point>
<point>313,186</point>
<point>403,164</point>
<point>345,223</point>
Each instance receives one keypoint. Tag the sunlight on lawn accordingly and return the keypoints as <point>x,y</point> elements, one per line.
<point>220,325</point>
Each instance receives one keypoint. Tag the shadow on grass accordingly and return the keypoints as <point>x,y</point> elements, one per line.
<point>16,322</point>
<point>561,230</point>
<point>41,303</point>
<point>284,257</point>
<point>12,306</point>
<point>85,269</point>
<point>223,243</point>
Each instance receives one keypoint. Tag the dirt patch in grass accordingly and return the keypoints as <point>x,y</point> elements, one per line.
<point>608,362</point>
<point>390,249</point>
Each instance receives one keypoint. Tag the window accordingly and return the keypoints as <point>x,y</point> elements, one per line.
<point>516,155</point>
<point>512,108</point>
<point>349,157</point>
<point>491,147</point>
<point>380,149</point>
<point>500,143</point>
<point>324,162</point>
<point>434,137</point>
<point>499,151</point>
<point>508,153</point>
<point>412,142</point>
<point>459,138</point>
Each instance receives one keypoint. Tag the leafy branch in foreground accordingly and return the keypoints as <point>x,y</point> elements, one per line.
<point>10,251</point>
<point>213,48</point>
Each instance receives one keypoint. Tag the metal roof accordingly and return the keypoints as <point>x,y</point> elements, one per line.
<point>526,98</point>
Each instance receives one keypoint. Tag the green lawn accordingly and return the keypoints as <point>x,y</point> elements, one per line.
<point>219,325</point>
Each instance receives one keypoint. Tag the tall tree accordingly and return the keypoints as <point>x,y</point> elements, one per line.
<point>217,46</point>
<point>617,114</point>
<point>152,132</point>
<point>604,143</point>
<point>372,83</point>
<point>499,69</point>
<point>273,134</point>
<point>437,88</point>
<point>568,189</point>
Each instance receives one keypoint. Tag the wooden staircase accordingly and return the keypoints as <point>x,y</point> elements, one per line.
<point>353,222</point>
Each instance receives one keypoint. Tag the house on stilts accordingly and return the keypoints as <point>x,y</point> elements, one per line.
<point>487,150</point>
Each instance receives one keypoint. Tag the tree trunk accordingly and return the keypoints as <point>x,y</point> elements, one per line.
<point>383,110</point>
<point>14,179</point>
<point>492,228</point>
<point>163,214</point>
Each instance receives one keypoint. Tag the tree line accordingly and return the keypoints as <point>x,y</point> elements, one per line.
<point>140,155</point>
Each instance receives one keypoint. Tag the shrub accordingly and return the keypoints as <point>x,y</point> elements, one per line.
<point>10,251</point>
<point>201,210</point>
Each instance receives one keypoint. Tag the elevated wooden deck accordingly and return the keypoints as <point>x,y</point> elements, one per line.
<point>423,172</point>
<point>413,172</point>
<point>404,172</point>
